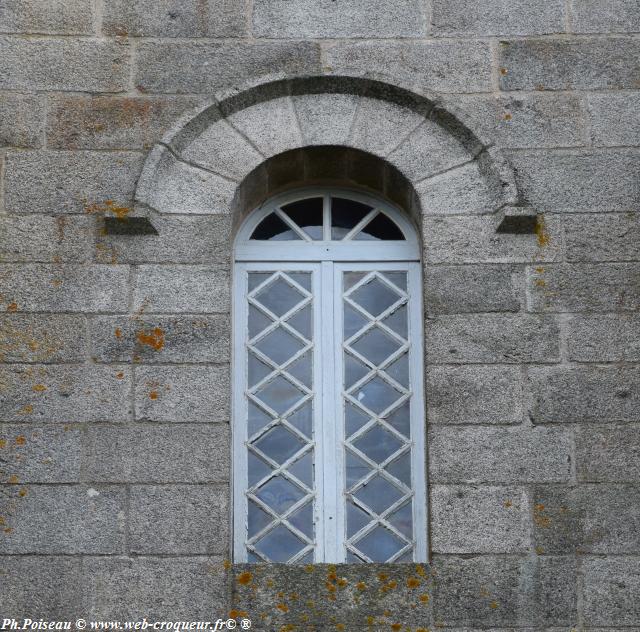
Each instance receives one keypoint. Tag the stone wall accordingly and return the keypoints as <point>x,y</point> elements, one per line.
<point>114,384</point>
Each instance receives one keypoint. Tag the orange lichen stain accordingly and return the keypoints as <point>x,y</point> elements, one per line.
<point>507,116</point>
<point>386,613</point>
<point>281,594</point>
<point>370,620</point>
<point>56,282</point>
<point>422,629</point>
<point>20,440</point>
<point>39,388</point>
<point>2,522</point>
<point>361,586</point>
<point>118,332</point>
<point>413,582</point>
<point>66,427</point>
<point>390,585</point>
<point>26,410</point>
<point>541,232</point>
<point>3,443</point>
<point>22,493</point>
<point>342,582</point>
<point>109,206</point>
<point>493,605</point>
<point>8,530</point>
<point>245,578</point>
<point>396,627</point>
<point>420,570</point>
<point>308,568</point>
<point>119,375</point>
<point>424,598</point>
<point>539,269</point>
<point>153,395</point>
<point>339,626</point>
<point>226,564</point>
<point>12,307</point>
<point>539,518</point>
<point>332,576</point>
<point>508,504</point>
<point>269,583</point>
<point>539,550</point>
<point>155,339</point>
<point>484,592</point>
<point>383,577</point>
<point>289,627</point>
<point>234,614</point>
<point>503,71</point>
<point>283,607</point>
<point>330,587</point>
<point>13,480</point>
<point>541,283</point>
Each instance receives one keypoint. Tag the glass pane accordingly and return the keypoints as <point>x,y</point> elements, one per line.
<point>301,278</point>
<point>307,558</point>
<point>258,469</point>
<point>279,494</point>
<point>258,519</point>
<point>397,321</point>
<point>375,297</point>
<point>352,559</point>
<point>399,370</point>
<point>280,544</point>
<point>380,228</point>
<point>258,418</point>
<point>279,394</point>
<point>405,557</point>
<point>376,346</point>
<point>301,369</point>
<point>345,215</point>
<point>351,278</point>
<point>258,370</point>
<point>307,214</point>
<point>302,469</point>
<point>303,520</point>
<point>378,444</point>
<point>257,321</point>
<point>356,519</point>
<point>400,419</point>
<point>301,321</point>
<point>279,297</point>
<point>253,558</point>
<point>402,520</point>
<point>354,419</point>
<point>279,444</point>
<point>378,494</point>
<point>302,419</point>
<point>377,395</point>
<point>356,469</point>
<point>279,345</point>
<point>354,370</point>
<point>353,321</point>
<point>380,544</point>
<point>272,228</point>
<point>401,469</point>
<point>256,278</point>
<point>397,278</point>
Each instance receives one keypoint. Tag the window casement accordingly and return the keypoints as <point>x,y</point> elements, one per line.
<point>328,421</point>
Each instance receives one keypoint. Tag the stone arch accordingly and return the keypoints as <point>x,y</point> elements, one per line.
<point>205,165</point>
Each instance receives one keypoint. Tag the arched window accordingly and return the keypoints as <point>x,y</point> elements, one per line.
<point>329,454</point>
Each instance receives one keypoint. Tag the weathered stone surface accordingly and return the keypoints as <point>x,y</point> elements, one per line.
<point>480,590</point>
<point>537,120</point>
<point>41,587</point>
<point>467,519</point>
<point>605,237</point>
<point>325,119</point>
<point>34,287</point>
<point>39,454</point>
<point>64,64</point>
<point>585,394</point>
<point>327,596</point>
<point>160,339</point>
<point>21,119</point>
<point>605,453</point>
<point>603,287</point>
<point>379,127</point>
<point>610,591</point>
<point>578,64</point>
<point>599,16</point>
<point>358,18</point>
<point>438,67</point>
<point>178,187</point>
<point>479,288</point>
<point>604,338</point>
<point>159,589</point>
<point>70,182</point>
<point>179,519</point>
<point>64,393</point>
<point>497,17</point>
<point>151,453</point>
<point>42,338</point>
<point>550,596</point>
<point>587,519</point>
<point>180,240</point>
<point>473,395</point>
<point>565,181</point>
<point>175,289</point>
<point>174,18</point>
<point>54,17</point>
<point>474,240</point>
<point>113,122</point>
<point>43,238</point>
<point>613,118</point>
<point>55,519</point>
<point>427,150</point>
<point>222,149</point>
<point>482,338</point>
<point>499,455</point>
<point>206,67</point>
<point>182,394</point>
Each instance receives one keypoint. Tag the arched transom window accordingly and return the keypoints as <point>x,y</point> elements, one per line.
<point>328,404</point>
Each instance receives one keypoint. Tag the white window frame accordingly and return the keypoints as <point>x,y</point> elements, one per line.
<point>327,260</point>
